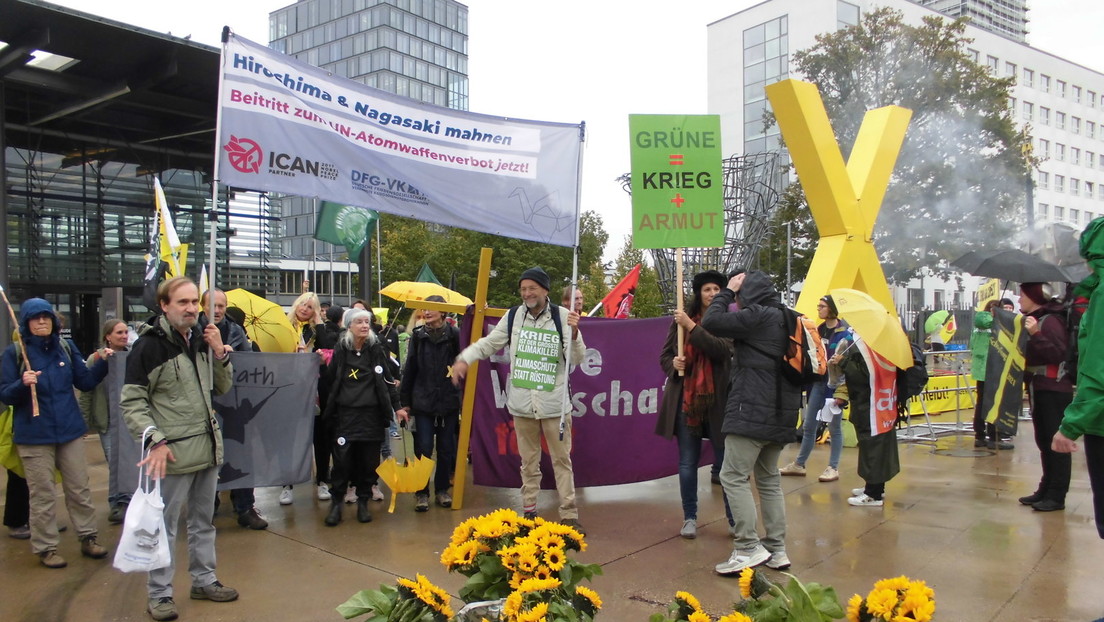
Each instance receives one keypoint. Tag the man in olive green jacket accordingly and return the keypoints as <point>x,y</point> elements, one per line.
<point>167,391</point>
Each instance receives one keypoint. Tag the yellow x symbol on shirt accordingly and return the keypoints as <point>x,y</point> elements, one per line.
<point>844,198</point>
<point>353,373</point>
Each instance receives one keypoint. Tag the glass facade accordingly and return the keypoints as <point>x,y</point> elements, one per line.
<point>414,48</point>
<point>766,60</point>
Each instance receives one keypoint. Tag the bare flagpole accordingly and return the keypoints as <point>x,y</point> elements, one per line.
<point>566,411</point>
<point>213,217</point>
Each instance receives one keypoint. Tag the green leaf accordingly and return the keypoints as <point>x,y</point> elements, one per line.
<point>367,601</point>
<point>825,600</point>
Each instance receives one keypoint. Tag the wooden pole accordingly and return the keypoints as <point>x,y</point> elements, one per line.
<point>468,409</point>
<point>23,349</point>
<point>678,303</point>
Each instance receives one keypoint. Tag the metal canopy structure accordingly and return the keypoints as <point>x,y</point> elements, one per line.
<point>79,84</point>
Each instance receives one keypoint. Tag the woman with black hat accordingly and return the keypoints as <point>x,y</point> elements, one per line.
<point>693,403</point>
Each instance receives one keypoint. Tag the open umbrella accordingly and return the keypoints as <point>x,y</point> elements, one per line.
<point>1012,264</point>
<point>410,476</point>
<point>935,320</point>
<point>405,291</point>
<point>265,322</point>
<point>874,325</point>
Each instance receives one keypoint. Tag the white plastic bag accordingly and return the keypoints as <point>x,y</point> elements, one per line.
<point>143,545</point>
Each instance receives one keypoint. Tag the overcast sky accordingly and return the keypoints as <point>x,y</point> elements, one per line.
<point>595,60</point>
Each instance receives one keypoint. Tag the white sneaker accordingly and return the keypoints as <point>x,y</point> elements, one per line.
<point>864,500</point>
<point>858,492</point>
<point>792,468</point>
<point>377,494</point>
<point>324,492</point>
<point>829,475</point>
<point>778,561</point>
<point>743,559</point>
<point>285,496</point>
<point>350,494</point>
<point>689,528</point>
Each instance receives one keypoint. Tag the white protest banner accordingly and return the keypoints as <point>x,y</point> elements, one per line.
<point>286,126</point>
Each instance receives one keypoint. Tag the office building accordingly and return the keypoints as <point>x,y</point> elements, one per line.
<point>414,48</point>
<point>1007,18</point>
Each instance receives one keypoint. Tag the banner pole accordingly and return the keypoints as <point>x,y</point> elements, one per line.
<point>678,303</point>
<point>566,410</point>
<point>467,410</point>
<point>212,279</point>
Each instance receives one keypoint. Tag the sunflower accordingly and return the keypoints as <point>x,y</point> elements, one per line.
<point>745,582</point>
<point>900,583</point>
<point>542,572</point>
<point>735,616</point>
<point>538,613</point>
<point>882,602</point>
<point>538,585</point>
<point>512,605</point>
<point>555,558</point>
<point>854,608</point>
<point>590,595</point>
<point>698,616</point>
<point>689,600</point>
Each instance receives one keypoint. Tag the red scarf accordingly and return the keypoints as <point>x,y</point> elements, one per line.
<point>697,389</point>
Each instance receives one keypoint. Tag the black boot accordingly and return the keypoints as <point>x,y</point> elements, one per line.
<point>364,515</point>
<point>1033,498</point>
<point>1049,505</point>
<point>334,517</point>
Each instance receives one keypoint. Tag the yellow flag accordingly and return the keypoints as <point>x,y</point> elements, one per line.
<point>989,290</point>
<point>170,242</point>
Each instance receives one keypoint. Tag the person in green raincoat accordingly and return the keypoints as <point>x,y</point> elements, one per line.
<point>1085,415</point>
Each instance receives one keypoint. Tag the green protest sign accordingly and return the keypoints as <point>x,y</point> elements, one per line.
<point>677,188</point>
<point>536,360</point>
<point>347,225</point>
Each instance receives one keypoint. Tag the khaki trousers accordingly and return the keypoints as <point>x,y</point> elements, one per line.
<point>40,461</point>
<point>528,431</point>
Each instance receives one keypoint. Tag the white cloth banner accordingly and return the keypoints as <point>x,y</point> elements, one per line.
<point>289,127</point>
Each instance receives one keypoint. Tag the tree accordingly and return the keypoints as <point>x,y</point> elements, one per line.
<point>407,243</point>
<point>800,245</point>
<point>960,178</point>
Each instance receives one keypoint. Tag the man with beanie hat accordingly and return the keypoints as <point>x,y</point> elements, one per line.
<point>537,399</point>
<point>1049,389</point>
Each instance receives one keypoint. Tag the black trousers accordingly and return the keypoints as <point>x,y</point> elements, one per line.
<point>1094,457</point>
<point>1047,410</point>
<point>982,429</point>
<point>875,491</point>
<point>354,463</point>
<point>17,502</point>
<point>322,443</point>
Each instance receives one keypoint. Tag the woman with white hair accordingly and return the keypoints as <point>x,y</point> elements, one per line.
<point>363,395</point>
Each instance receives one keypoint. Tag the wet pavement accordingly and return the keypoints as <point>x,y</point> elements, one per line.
<point>950,518</point>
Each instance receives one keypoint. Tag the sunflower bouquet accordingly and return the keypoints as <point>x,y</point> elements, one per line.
<point>518,571</point>
<point>763,601</point>
<point>899,599</point>
<point>501,550</point>
<point>409,601</point>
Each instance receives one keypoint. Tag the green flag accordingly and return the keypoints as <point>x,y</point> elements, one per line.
<point>425,275</point>
<point>347,225</point>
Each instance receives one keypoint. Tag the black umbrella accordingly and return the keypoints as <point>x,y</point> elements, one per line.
<point>1011,264</point>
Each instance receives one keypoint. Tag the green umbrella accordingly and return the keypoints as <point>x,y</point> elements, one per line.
<point>935,320</point>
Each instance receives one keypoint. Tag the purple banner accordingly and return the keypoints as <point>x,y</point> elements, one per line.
<point>615,393</point>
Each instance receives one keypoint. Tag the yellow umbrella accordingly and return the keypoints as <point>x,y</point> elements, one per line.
<point>265,322</point>
<point>410,476</point>
<point>406,291</point>
<point>870,320</point>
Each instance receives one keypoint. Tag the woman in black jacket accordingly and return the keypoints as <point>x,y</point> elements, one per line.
<point>362,399</point>
<point>693,403</point>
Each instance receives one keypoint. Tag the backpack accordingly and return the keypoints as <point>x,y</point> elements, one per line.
<point>804,361</point>
<point>64,348</point>
<point>911,381</point>
<point>1075,309</point>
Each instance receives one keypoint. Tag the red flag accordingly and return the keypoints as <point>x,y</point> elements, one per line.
<point>618,303</point>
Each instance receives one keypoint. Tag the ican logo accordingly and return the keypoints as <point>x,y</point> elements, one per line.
<point>290,165</point>
<point>245,155</point>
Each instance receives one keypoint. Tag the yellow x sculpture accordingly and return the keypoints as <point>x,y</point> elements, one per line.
<point>844,198</point>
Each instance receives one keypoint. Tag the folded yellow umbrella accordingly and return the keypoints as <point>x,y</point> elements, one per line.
<point>410,476</point>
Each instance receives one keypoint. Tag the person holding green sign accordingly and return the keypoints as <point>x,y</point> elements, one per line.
<point>537,389</point>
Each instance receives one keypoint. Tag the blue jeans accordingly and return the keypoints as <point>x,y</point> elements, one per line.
<point>441,428</point>
<point>817,395</point>
<point>690,447</point>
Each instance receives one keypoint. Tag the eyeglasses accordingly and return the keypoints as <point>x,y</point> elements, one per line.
<point>822,306</point>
